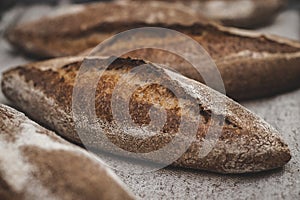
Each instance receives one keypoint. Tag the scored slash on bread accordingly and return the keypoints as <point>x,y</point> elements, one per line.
<point>252,65</point>
<point>247,143</point>
<point>37,164</point>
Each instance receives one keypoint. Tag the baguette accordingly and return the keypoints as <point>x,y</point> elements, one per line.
<point>44,91</point>
<point>237,13</point>
<point>80,27</point>
<point>85,27</point>
<point>37,164</point>
<point>252,65</point>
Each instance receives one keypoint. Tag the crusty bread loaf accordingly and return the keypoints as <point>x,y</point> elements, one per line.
<point>37,164</point>
<point>252,65</point>
<point>44,91</point>
<point>238,13</point>
<point>80,27</point>
<point>85,27</point>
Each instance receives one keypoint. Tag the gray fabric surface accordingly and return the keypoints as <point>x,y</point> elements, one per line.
<point>282,111</point>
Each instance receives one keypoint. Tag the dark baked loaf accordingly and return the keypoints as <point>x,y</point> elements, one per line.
<point>83,27</point>
<point>37,164</point>
<point>79,27</point>
<point>44,91</point>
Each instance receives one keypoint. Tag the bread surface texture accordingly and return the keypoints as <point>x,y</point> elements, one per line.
<point>35,163</point>
<point>44,91</point>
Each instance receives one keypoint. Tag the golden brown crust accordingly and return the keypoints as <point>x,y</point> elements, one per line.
<point>247,143</point>
<point>37,164</point>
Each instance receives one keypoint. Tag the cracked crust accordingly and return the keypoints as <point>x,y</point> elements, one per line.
<point>246,144</point>
<point>37,164</point>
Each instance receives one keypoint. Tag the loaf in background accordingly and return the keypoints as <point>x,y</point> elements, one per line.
<point>80,27</point>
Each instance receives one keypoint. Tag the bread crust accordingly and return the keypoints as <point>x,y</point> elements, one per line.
<point>35,163</point>
<point>77,27</point>
<point>247,143</point>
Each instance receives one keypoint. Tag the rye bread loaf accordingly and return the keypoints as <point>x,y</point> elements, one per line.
<point>35,163</point>
<point>44,91</point>
<point>79,27</point>
<point>84,27</point>
<point>238,13</point>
